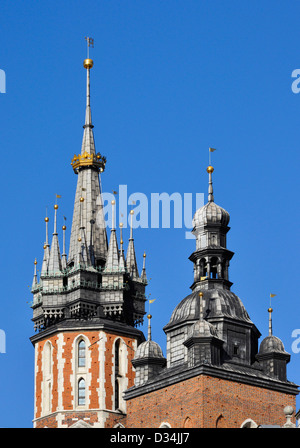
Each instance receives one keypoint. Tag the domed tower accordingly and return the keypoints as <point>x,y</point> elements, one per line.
<point>272,356</point>
<point>222,308</point>
<point>214,374</point>
<point>148,360</point>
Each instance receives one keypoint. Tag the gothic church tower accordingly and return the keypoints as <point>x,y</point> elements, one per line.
<point>86,307</point>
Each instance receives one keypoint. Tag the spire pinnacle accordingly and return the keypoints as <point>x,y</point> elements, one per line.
<point>143,274</point>
<point>149,326</point>
<point>54,265</point>
<point>201,305</point>
<point>35,280</point>
<point>210,170</point>
<point>270,310</point>
<point>130,256</point>
<point>64,255</point>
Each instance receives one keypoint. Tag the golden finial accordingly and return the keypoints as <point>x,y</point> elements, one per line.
<point>113,202</point>
<point>210,169</point>
<point>55,206</point>
<point>200,294</point>
<point>149,316</point>
<point>81,199</point>
<point>144,255</point>
<point>88,63</point>
<point>270,310</point>
<point>46,219</point>
<point>35,262</point>
<point>131,212</point>
<point>64,227</point>
<point>45,246</point>
<point>79,239</point>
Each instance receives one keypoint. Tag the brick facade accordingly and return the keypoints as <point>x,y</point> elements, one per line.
<point>63,411</point>
<point>207,402</point>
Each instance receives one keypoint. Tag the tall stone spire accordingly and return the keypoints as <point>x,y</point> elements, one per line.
<point>46,251</point>
<point>54,265</point>
<point>87,166</point>
<point>112,260</point>
<point>131,263</point>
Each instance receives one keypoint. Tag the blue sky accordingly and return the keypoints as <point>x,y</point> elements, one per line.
<point>170,79</point>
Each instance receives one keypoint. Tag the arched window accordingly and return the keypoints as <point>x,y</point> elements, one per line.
<point>81,353</point>
<point>81,392</point>
<point>117,373</point>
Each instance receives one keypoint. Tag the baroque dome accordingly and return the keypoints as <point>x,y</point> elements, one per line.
<point>211,213</point>
<point>218,302</point>
<point>148,349</point>
<point>271,344</point>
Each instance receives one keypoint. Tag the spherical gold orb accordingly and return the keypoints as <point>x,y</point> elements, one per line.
<point>131,212</point>
<point>46,219</point>
<point>113,202</point>
<point>121,224</point>
<point>79,239</point>
<point>144,255</point>
<point>35,262</point>
<point>64,227</point>
<point>270,310</point>
<point>56,207</point>
<point>45,246</point>
<point>200,294</point>
<point>149,316</point>
<point>210,169</point>
<point>81,199</point>
<point>88,63</point>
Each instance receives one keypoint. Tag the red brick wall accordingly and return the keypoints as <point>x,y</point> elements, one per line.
<point>206,402</point>
<point>68,392</point>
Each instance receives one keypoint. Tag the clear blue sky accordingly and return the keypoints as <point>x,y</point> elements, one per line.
<point>171,78</point>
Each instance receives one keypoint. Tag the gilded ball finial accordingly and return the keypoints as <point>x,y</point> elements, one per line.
<point>81,199</point>
<point>210,169</point>
<point>35,262</point>
<point>113,202</point>
<point>79,239</point>
<point>131,212</point>
<point>144,255</point>
<point>46,219</point>
<point>55,207</point>
<point>64,227</point>
<point>88,63</point>
<point>149,316</point>
<point>270,310</point>
<point>201,294</point>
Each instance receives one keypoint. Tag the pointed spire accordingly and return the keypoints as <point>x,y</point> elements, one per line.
<point>149,327</point>
<point>83,252</point>
<point>112,260</point>
<point>270,321</point>
<point>87,166</point>
<point>122,263</point>
<point>201,305</point>
<point>130,256</point>
<point>143,275</point>
<point>88,143</point>
<point>210,170</point>
<point>64,255</point>
<point>54,265</point>
<point>46,257</point>
<point>35,280</point>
